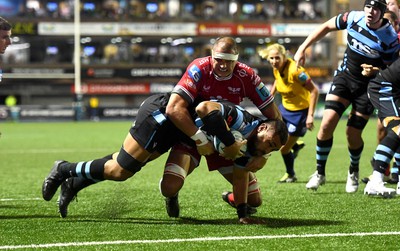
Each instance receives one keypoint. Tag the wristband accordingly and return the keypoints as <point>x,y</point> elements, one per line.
<point>241,210</point>
<point>200,138</point>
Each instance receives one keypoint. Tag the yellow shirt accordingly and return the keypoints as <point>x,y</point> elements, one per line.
<point>290,84</point>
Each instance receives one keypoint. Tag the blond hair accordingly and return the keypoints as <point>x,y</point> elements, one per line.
<point>279,48</point>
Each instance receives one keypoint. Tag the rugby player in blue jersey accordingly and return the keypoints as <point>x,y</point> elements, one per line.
<point>372,44</point>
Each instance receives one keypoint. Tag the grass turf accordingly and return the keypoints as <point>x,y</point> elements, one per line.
<point>131,215</point>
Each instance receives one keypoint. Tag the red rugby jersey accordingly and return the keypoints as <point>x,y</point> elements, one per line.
<point>200,83</point>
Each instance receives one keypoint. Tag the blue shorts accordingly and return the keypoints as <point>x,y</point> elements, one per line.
<point>295,121</point>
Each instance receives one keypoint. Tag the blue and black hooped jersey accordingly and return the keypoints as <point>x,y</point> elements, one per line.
<point>378,47</point>
<point>237,118</point>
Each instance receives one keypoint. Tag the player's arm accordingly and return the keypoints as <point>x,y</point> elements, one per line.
<point>240,184</point>
<point>215,124</point>
<point>314,93</point>
<point>271,111</point>
<point>315,36</point>
<point>177,111</point>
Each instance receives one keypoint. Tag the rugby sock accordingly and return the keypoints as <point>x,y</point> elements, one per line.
<point>289,163</point>
<point>323,149</point>
<point>385,151</point>
<point>355,155</point>
<point>92,170</point>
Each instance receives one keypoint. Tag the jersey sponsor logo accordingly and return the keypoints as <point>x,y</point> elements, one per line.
<point>303,76</point>
<point>242,73</point>
<point>233,90</point>
<point>364,48</point>
<point>195,73</point>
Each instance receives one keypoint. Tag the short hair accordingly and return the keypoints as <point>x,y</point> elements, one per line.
<point>265,52</point>
<point>393,16</point>
<point>227,45</point>
<point>280,129</point>
<point>4,24</point>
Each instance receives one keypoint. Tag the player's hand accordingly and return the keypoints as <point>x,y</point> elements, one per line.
<point>255,164</point>
<point>310,123</point>
<point>206,149</point>
<point>249,220</point>
<point>233,152</point>
<point>369,70</point>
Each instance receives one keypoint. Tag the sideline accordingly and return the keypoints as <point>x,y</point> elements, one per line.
<point>96,243</point>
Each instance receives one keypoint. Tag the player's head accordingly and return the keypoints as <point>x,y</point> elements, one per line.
<point>377,4</point>
<point>393,5</point>
<point>224,55</point>
<point>5,35</point>
<point>271,135</point>
<point>392,17</point>
<point>275,54</point>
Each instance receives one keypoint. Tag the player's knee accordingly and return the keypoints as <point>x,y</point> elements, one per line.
<point>357,122</point>
<point>129,164</point>
<point>113,171</point>
<point>338,107</point>
<point>173,180</point>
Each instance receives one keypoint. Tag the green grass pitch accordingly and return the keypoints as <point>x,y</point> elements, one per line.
<point>131,215</point>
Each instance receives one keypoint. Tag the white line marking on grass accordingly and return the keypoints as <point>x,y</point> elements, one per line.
<point>228,238</point>
<point>46,151</point>
<point>22,199</point>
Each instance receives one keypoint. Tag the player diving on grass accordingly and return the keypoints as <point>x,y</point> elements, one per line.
<point>151,135</point>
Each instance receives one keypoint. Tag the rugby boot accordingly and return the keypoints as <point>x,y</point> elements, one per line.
<point>52,181</point>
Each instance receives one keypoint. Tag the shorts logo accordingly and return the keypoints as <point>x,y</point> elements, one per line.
<point>195,73</point>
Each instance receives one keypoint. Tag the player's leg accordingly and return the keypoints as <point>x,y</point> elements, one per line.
<point>331,116</point>
<point>288,159</point>
<point>383,155</point>
<point>182,160</point>
<point>355,126</point>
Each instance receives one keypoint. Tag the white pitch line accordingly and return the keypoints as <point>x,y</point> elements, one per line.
<point>46,151</point>
<point>228,238</point>
<point>22,199</point>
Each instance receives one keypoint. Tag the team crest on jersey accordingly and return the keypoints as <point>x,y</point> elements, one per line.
<point>195,73</point>
<point>303,76</point>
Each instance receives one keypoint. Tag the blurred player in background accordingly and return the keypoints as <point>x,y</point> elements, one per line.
<point>219,76</point>
<point>5,35</point>
<point>299,99</point>
<point>372,43</point>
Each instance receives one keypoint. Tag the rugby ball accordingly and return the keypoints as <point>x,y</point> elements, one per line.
<point>219,146</point>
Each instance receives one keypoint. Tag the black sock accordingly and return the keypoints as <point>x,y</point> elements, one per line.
<point>323,149</point>
<point>289,163</point>
<point>355,155</point>
<point>93,170</point>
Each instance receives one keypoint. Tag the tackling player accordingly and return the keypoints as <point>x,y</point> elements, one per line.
<point>219,76</point>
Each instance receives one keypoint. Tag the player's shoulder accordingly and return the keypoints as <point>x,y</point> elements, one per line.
<point>350,17</point>
<point>245,72</point>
